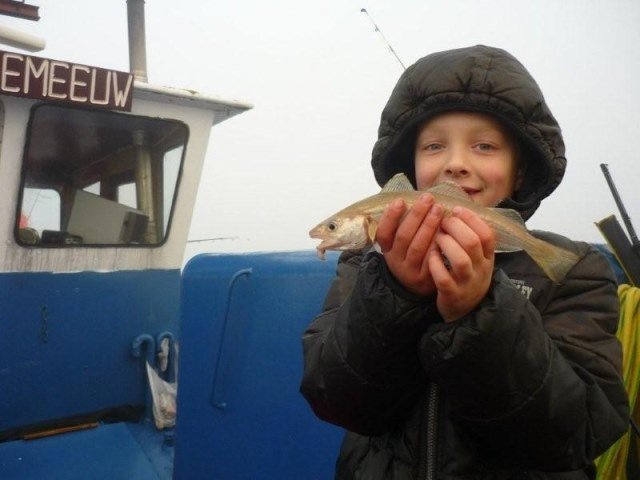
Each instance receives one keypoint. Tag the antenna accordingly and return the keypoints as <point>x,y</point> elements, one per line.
<point>377,29</point>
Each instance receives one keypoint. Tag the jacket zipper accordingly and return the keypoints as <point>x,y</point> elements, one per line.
<point>431,432</point>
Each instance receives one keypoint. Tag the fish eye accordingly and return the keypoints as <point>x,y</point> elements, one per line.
<point>332,226</point>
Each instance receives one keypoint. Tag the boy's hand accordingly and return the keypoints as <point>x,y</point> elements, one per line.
<point>468,244</point>
<point>406,241</point>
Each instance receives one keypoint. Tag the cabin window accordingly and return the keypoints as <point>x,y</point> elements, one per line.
<point>98,178</point>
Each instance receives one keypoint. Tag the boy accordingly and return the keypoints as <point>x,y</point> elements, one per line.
<point>444,359</point>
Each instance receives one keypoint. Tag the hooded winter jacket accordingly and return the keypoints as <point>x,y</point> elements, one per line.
<point>525,386</point>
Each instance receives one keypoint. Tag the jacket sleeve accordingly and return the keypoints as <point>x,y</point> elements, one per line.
<point>538,386</point>
<point>361,367</point>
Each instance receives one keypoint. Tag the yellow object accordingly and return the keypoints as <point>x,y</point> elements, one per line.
<point>612,464</point>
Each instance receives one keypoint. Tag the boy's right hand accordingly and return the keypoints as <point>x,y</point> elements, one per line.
<point>406,241</point>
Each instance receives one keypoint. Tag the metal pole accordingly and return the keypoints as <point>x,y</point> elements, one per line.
<point>144,184</point>
<point>137,46</point>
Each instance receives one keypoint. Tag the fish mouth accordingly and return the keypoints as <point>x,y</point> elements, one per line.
<point>326,243</point>
<point>315,232</point>
<point>318,233</point>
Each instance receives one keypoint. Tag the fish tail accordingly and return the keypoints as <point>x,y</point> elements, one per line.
<point>554,261</point>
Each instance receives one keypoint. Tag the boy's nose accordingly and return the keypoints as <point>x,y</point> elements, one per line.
<point>457,166</point>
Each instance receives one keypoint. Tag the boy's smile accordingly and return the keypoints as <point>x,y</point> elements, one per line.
<point>470,149</point>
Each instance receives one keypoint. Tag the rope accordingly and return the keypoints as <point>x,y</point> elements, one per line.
<point>612,464</point>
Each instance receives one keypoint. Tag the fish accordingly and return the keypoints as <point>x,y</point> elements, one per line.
<point>354,227</point>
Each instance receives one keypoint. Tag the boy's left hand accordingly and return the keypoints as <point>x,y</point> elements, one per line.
<point>468,244</point>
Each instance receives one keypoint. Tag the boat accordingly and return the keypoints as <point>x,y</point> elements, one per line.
<point>99,171</point>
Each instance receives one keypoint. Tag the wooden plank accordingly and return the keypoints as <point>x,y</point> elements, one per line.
<point>57,431</point>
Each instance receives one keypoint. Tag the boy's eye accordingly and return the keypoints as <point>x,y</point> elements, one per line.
<point>485,147</point>
<point>433,147</point>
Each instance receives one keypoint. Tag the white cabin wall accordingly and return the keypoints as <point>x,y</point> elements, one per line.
<point>11,149</point>
<point>15,258</point>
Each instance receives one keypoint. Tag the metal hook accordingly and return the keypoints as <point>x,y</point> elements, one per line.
<point>136,347</point>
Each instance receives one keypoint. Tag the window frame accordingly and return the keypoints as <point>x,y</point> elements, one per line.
<point>128,117</point>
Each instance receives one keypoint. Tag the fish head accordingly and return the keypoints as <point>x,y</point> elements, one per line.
<point>342,233</point>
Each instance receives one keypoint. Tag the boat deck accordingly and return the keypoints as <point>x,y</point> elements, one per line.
<point>119,451</point>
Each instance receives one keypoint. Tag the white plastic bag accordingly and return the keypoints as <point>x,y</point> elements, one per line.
<point>164,399</point>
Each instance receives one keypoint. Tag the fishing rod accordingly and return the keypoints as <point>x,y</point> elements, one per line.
<point>626,252</point>
<point>635,243</point>
<point>213,239</point>
<point>377,29</point>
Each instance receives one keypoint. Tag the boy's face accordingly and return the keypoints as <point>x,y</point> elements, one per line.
<point>472,150</point>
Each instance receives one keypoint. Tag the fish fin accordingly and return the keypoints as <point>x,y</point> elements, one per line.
<point>372,228</point>
<point>505,243</point>
<point>556,262</point>
<point>398,183</point>
<point>511,214</point>
<point>450,189</point>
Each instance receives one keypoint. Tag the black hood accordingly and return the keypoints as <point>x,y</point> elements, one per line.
<point>479,79</point>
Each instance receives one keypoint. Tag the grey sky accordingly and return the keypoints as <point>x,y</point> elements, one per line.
<point>319,75</point>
